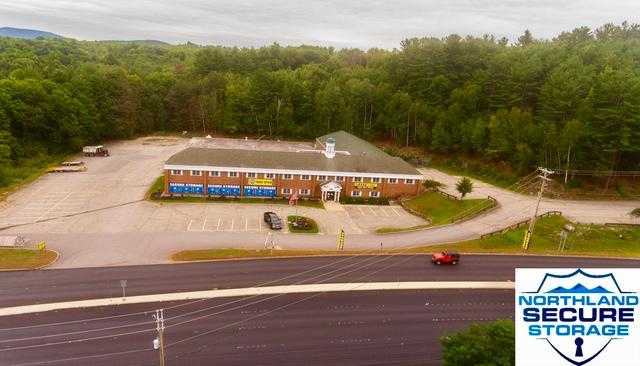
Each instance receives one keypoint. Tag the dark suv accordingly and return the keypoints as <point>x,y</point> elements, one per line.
<point>275,223</point>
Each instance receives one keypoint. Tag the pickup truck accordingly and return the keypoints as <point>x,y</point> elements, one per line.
<point>445,258</point>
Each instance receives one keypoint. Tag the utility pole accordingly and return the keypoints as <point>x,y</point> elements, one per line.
<point>159,317</point>
<point>532,223</point>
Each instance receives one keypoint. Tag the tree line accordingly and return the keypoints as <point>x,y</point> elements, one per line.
<point>570,102</point>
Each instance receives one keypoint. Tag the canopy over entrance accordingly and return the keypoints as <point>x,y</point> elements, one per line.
<point>331,191</point>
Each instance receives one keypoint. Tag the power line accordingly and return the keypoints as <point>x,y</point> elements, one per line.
<point>175,317</point>
<point>343,259</point>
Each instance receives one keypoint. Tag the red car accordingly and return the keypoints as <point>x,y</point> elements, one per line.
<point>445,258</point>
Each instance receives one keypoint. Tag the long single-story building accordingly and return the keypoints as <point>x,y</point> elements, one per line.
<point>340,165</point>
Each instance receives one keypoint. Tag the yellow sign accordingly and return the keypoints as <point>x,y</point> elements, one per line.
<point>340,244</point>
<point>42,245</point>
<point>365,185</point>
<point>259,182</point>
<point>527,240</point>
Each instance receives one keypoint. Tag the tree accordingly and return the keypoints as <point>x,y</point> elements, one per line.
<point>464,186</point>
<point>491,344</point>
<point>432,185</point>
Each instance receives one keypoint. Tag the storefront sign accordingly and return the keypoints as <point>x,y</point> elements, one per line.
<point>365,185</point>
<point>259,182</point>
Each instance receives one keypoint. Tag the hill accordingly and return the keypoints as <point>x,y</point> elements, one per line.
<point>26,33</point>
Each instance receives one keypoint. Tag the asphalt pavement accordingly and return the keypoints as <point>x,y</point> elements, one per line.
<point>23,288</point>
<point>370,328</point>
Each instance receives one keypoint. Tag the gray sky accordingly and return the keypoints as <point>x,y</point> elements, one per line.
<point>346,23</point>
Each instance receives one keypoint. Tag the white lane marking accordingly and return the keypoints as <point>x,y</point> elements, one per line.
<point>232,222</point>
<point>219,221</point>
<point>189,226</point>
<point>246,223</point>
<point>373,212</point>
<point>258,291</point>
<point>204,223</point>
<point>396,211</point>
<point>384,212</point>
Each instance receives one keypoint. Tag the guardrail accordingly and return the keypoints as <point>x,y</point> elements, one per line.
<point>519,224</point>
<point>447,195</point>
<point>475,211</point>
<point>623,224</point>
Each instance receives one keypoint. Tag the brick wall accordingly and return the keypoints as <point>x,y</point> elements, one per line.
<point>386,189</point>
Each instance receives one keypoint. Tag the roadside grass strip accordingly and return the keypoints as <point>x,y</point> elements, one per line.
<point>258,291</point>
<point>25,259</point>
<point>585,240</point>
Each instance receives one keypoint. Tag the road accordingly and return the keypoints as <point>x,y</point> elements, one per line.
<point>372,328</point>
<point>22,288</point>
<point>353,328</point>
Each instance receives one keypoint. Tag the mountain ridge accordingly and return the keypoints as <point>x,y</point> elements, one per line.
<point>25,33</point>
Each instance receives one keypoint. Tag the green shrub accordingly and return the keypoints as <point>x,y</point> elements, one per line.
<point>490,344</point>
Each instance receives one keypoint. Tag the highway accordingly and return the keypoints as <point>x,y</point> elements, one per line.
<point>352,328</point>
<point>22,288</point>
<point>370,328</point>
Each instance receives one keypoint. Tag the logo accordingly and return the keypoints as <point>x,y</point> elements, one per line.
<point>577,317</point>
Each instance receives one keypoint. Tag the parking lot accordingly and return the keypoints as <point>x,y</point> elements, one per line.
<point>107,198</point>
<point>370,218</point>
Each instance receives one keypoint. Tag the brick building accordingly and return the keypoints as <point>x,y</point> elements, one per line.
<point>341,164</point>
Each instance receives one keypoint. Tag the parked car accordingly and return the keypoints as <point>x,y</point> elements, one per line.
<point>275,223</point>
<point>445,258</point>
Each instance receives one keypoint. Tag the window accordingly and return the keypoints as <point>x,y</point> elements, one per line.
<point>214,174</point>
<point>357,179</point>
<point>287,176</point>
<point>176,172</point>
<point>233,174</point>
<point>340,179</point>
<point>322,178</point>
<point>408,181</point>
<point>356,193</point>
<point>375,180</point>
<point>252,175</point>
<point>305,192</point>
<point>269,175</point>
<point>286,190</point>
<point>305,177</point>
<point>374,194</point>
<point>392,180</point>
<point>196,173</point>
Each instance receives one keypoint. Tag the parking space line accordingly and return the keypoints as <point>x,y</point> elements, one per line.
<point>396,211</point>
<point>246,223</point>
<point>189,226</point>
<point>232,222</point>
<point>259,225</point>
<point>373,211</point>
<point>204,222</point>
<point>361,211</point>
<point>219,221</point>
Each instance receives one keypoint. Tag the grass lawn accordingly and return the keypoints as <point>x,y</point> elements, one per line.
<point>213,254</point>
<point>439,210</point>
<point>595,240</point>
<point>312,229</point>
<point>25,258</point>
<point>157,187</point>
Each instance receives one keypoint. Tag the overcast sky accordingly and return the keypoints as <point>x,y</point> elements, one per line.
<point>345,23</point>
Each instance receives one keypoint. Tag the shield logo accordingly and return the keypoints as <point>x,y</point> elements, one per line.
<point>579,297</point>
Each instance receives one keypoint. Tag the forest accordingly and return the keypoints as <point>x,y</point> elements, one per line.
<point>569,102</point>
